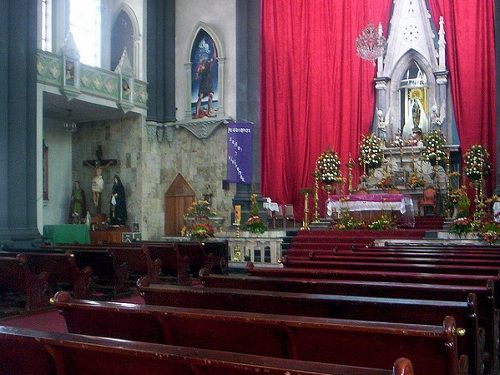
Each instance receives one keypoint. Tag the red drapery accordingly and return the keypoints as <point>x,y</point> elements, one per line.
<point>316,92</point>
<point>470,54</point>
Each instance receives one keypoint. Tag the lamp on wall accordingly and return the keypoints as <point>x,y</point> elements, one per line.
<point>371,44</point>
<point>69,125</point>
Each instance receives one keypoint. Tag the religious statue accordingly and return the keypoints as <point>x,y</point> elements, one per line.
<point>78,204</point>
<point>383,123</point>
<point>437,117</point>
<point>97,188</point>
<point>118,207</point>
<point>97,181</point>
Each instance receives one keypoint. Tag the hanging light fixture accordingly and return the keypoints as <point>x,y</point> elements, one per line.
<point>371,44</point>
<point>70,126</point>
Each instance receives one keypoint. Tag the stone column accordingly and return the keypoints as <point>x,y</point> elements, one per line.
<point>248,90</point>
<point>18,153</point>
<point>161,60</point>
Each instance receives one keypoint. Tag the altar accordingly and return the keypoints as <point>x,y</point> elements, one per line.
<point>368,206</point>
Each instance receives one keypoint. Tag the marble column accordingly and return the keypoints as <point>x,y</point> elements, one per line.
<point>18,154</point>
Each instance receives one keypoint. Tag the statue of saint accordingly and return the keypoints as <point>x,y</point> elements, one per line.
<point>78,204</point>
<point>118,206</point>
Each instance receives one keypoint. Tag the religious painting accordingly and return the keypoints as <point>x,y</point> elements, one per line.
<point>204,77</point>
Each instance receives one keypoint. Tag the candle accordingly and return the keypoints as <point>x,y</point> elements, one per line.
<point>237,214</point>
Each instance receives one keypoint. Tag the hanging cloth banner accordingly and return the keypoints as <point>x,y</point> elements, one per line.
<point>239,152</point>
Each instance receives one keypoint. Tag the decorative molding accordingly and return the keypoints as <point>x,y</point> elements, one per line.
<point>88,80</point>
<point>200,128</point>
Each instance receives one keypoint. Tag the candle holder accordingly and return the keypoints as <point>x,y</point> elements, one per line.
<point>237,254</point>
<point>305,222</point>
<point>350,166</point>
<point>315,197</point>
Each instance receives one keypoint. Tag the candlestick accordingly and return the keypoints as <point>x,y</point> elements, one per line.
<point>237,214</point>
<point>315,197</point>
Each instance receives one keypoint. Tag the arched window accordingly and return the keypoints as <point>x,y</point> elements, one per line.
<point>122,37</point>
<point>85,25</point>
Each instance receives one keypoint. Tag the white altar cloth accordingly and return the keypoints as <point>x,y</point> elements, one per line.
<point>366,202</point>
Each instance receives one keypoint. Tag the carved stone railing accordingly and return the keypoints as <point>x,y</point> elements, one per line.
<point>91,81</point>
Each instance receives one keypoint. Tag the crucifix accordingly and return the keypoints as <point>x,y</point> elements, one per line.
<point>97,181</point>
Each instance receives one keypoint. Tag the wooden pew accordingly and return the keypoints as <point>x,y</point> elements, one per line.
<point>29,352</point>
<point>16,276</point>
<point>487,318</point>
<point>62,269</point>
<point>283,336</point>
<point>360,264</point>
<point>327,306</point>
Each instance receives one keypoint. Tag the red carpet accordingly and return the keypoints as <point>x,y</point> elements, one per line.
<point>50,320</point>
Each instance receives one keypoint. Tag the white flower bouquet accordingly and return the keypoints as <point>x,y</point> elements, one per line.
<point>476,162</point>
<point>328,166</point>
<point>370,151</point>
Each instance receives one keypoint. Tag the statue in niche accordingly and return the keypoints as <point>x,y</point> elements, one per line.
<point>437,117</point>
<point>383,123</point>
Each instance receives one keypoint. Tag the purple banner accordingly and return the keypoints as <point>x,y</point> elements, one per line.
<point>239,152</point>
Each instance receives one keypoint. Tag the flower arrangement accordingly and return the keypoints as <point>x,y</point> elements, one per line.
<point>476,162</point>
<point>434,151</point>
<point>254,223</point>
<point>386,182</point>
<point>382,223</point>
<point>346,221</point>
<point>371,154</point>
<point>200,208</point>
<point>198,231</point>
<point>415,181</point>
<point>489,232</point>
<point>328,166</point>
<point>458,198</point>
<point>461,226</point>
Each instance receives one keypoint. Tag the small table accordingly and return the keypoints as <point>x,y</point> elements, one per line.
<point>66,234</point>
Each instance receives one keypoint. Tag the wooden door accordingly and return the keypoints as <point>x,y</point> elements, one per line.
<point>178,198</point>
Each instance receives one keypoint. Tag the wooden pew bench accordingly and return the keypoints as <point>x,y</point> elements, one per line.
<point>62,270</point>
<point>327,306</point>
<point>283,336</point>
<point>15,276</point>
<point>361,264</point>
<point>29,352</point>
<point>488,320</point>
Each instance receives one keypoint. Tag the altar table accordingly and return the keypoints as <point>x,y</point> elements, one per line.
<point>397,203</point>
<point>66,234</point>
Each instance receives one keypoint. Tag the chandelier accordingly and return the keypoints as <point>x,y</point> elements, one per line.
<point>370,44</point>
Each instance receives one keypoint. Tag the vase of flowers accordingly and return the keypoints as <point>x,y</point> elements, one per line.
<point>462,226</point>
<point>199,231</point>
<point>434,148</point>
<point>476,162</point>
<point>370,151</point>
<point>254,223</point>
<point>328,166</point>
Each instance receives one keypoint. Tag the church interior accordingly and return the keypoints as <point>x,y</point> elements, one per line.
<point>249,186</point>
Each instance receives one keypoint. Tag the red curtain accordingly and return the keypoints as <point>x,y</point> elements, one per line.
<point>315,91</point>
<point>470,54</point>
